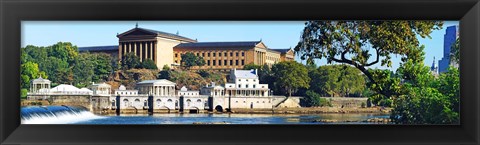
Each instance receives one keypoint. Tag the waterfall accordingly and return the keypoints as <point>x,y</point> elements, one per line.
<point>55,114</point>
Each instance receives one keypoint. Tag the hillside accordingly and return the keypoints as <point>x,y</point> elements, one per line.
<point>191,79</point>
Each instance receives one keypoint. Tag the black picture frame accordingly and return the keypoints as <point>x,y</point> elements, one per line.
<point>12,12</point>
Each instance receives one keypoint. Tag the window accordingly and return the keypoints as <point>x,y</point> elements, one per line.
<point>246,80</point>
<point>246,86</point>
<point>169,100</point>
<point>176,55</point>
<point>224,62</point>
<point>225,54</point>
<point>198,54</point>
<point>231,62</point>
<point>219,62</point>
<point>219,54</point>
<point>253,86</point>
<point>188,100</point>
<point>243,62</point>
<point>203,54</point>
<point>214,62</point>
<point>239,85</point>
<point>208,54</point>
<point>201,100</point>
<point>214,54</point>
<point>236,62</point>
<point>236,54</point>
<point>231,53</point>
<point>208,62</point>
<point>239,80</point>
<point>243,53</point>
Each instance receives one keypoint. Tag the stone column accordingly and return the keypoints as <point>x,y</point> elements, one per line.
<point>120,50</point>
<point>141,51</point>
<point>135,48</point>
<point>129,47</point>
<point>146,50</point>
<point>151,50</point>
<point>124,48</point>
<point>155,53</point>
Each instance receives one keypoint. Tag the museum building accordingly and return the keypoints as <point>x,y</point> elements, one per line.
<point>166,49</point>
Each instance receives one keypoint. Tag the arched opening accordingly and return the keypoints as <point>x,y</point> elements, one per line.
<point>125,102</point>
<point>193,110</point>
<point>219,108</point>
<point>158,101</point>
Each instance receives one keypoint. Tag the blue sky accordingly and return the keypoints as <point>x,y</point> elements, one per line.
<point>275,34</point>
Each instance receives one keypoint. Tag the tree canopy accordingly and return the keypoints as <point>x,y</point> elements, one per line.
<point>355,42</point>
<point>291,75</point>
<point>189,59</point>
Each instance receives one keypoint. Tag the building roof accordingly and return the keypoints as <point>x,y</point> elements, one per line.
<point>69,88</point>
<point>41,80</point>
<point>248,74</point>
<point>157,82</point>
<point>218,44</point>
<point>159,34</point>
<point>101,85</point>
<point>99,48</point>
<point>281,50</point>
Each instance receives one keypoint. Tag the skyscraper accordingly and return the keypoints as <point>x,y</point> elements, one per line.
<point>449,39</point>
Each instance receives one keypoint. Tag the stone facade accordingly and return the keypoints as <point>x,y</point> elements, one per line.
<point>166,49</point>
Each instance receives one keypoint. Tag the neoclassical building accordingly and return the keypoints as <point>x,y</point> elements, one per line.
<point>166,49</point>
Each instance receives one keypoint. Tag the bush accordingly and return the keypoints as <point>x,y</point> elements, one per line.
<point>313,99</point>
<point>149,64</point>
<point>363,105</point>
<point>23,93</point>
<point>204,73</point>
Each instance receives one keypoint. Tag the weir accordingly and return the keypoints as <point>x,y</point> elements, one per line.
<point>55,114</point>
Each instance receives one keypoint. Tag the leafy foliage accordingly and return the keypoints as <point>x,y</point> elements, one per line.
<point>130,61</point>
<point>337,80</point>
<point>291,75</point>
<point>189,59</point>
<point>313,99</point>
<point>149,64</point>
<point>354,42</point>
<point>166,73</point>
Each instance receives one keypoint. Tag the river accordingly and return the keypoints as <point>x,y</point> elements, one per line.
<point>72,115</point>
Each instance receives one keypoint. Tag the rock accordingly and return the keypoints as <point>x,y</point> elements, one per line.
<point>210,122</point>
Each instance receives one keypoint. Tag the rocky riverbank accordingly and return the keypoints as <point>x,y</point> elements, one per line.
<point>312,110</point>
<point>371,120</point>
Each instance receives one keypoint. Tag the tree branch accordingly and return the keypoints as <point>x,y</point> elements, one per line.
<point>374,62</point>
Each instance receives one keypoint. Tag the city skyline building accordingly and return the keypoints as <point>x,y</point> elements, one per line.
<point>451,35</point>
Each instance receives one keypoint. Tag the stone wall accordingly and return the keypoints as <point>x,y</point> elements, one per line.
<point>346,101</point>
<point>78,100</point>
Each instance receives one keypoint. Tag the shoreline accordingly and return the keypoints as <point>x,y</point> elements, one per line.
<point>305,110</point>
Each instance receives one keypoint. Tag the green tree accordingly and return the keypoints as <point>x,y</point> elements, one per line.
<point>165,73</point>
<point>130,61</point>
<point>189,59</point>
<point>83,70</point>
<point>103,67</point>
<point>333,40</point>
<point>28,72</point>
<point>291,75</point>
<point>149,64</point>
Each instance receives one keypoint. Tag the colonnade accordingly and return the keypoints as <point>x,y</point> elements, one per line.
<point>160,90</point>
<point>143,49</point>
<point>247,93</point>
<point>260,57</point>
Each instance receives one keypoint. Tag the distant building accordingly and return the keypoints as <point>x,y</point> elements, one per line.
<point>451,35</point>
<point>434,67</point>
<point>166,49</point>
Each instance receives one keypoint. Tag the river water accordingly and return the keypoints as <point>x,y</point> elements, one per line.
<point>72,115</point>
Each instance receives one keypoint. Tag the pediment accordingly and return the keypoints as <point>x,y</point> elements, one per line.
<point>261,45</point>
<point>136,32</point>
